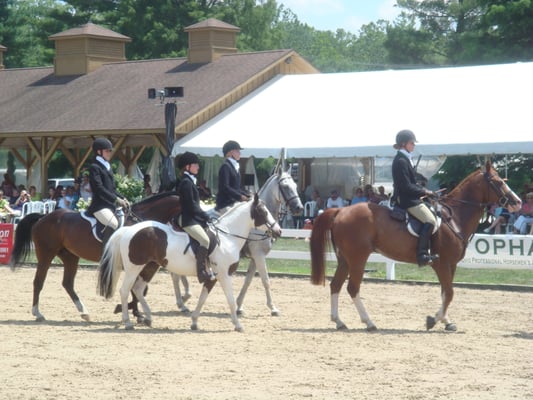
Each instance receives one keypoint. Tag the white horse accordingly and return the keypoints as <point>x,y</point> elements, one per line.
<point>279,189</point>
<point>131,248</point>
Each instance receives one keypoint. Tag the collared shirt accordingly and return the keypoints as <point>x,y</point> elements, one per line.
<point>408,155</point>
<point>235,163</point>
<point>104,162</point>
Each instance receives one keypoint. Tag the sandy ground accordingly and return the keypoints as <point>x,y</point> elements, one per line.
<point>295,356</point>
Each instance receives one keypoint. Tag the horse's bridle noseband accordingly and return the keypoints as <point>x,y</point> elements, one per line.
<point>504,196</point>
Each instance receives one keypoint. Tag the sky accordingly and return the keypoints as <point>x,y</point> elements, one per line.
<point>349,15</point>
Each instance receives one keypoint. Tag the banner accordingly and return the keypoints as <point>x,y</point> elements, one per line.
<point>500,252</point>
<point>6,242</point>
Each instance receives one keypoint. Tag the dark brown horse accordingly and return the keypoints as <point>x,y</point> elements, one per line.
<point>65,234</point>
<point>357,231</point>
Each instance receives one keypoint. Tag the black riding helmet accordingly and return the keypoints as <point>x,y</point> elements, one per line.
<point>230,145</point>
<point>102,144</point>
<point>404,136</point>
<point>187,158</point>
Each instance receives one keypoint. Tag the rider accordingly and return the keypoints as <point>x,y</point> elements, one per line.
<point>193,219</point>
<point>229,178</point>
<point>407,194</point>
<point>104,194</point>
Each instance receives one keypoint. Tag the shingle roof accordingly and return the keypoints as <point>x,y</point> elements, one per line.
<point>114,97</point>
<point>89,29</point>
<point>212,23</point>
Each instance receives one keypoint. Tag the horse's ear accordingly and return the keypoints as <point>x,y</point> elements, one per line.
<point>256,198</point>
<point>488,164</point>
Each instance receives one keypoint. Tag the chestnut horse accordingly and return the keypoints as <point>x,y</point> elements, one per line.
<point>357,231</point>
<point>65,234</point>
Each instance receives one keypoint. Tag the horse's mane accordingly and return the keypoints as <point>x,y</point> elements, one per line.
<point>460,185</point>
<point>156,197</point>
<point>270,178</point>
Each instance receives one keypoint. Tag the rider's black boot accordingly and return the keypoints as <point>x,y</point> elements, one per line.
<point>423,256</point>
<point>108,231</point>
<point>201,265</point>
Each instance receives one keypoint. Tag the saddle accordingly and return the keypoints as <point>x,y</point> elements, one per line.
<point>413,224</point>
<point>193,243</point>
<point>97,228</point>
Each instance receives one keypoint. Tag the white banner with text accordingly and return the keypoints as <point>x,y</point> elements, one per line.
<point>499,251</point>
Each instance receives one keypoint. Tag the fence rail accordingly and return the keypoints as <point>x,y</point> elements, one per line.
<point>484,251</point>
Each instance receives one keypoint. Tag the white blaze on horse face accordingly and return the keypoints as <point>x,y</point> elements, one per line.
<point>518,202</point>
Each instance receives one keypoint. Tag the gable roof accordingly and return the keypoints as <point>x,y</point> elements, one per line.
<point>113,99</point>
<point>452,111</point>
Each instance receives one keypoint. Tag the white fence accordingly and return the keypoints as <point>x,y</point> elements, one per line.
<point>484,251</point>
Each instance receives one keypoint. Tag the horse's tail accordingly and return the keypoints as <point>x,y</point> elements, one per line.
<point>22,244</point>
<point>110,266</point>
<point>319,237</point>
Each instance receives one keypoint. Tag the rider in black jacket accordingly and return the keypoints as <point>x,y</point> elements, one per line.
<point>229,178</point>
<point>408,193</point>
<point>104,194</point>
<point>193,219</point>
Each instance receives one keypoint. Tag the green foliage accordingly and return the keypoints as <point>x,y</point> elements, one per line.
<point>132,189</point>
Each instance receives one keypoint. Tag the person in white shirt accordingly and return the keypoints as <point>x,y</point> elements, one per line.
<point>334,200</point>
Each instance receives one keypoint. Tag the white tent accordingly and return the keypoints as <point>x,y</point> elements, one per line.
<point>453,111</point>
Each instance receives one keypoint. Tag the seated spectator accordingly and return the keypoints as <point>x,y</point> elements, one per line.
<point>19,203</point>
<point>501,217</point>
<point>525,215</point>
<point>6,212</point>
<point>358,196</point>
<point>370,194</point>
<point>319,203</point>
<point>381,195</point>
<point>334,200</point>
<point>33,193</point>
<point>65,200</point>
<point>85,187</point>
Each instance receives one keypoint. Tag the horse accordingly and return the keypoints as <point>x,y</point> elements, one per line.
<point>65,234</point>
<point>131,248</point>
<point>358,230</point>
<point>279,188</point>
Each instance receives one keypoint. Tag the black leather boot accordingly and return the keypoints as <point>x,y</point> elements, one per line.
<point>423,256</point>
<point>201,262</point>
<point>108,231</point>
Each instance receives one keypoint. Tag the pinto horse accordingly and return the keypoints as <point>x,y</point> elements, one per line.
<point>65,234</point>
<point>132,247</point>
<point>358,230</point>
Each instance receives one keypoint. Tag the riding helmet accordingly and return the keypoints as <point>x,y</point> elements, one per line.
<point>187,158</point>
<point>230,145</point>
<point>102,144</point>
<point>404,136</point>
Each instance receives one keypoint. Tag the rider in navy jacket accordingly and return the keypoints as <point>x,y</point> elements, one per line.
<point>408,193</point>
<point>229,178</point>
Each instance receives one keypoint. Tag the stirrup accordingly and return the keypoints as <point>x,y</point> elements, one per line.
<point>426,259</point>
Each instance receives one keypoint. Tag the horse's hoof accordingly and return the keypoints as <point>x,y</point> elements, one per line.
<point>240,312</point>
<point>147,322</point>
<point>185,310</point>
<point>86,317</point>
<point>450,327</point>
<point>129,327</point>
<point>186,297</point>
<point>372,328</point>
<point>118,309</point>
<point>430,322</point>
<point>194,327</point>
<point>275,313</point>
<point>40,319</point>
<point>341,327</point>
<point>239,329</point>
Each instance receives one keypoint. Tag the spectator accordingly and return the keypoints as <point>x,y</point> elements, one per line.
<point>501,217</point>
<point>381,195</point>
<point>51,194</point>
<point>525,215</point>
<point>147,185</point>
<point>358,196</point>
<point>8,185</point>
<point>370,194</point>
<point>19,202</point>
<point>76,195</point>
<point>34,196</point>
<point>319,203</point>
<point>85,187</point>
<point>65,201</point>
<point>6,212</point>
<point>334,200</point>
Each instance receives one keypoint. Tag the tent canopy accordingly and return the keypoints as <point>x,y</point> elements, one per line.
<point>452,111</point>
